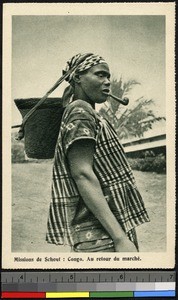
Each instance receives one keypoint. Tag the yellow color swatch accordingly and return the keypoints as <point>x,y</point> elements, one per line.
<point>67,295</point>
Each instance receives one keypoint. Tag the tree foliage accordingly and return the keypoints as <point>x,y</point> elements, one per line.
<point>128,122</point>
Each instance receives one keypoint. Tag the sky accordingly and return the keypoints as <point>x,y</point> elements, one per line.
<point>133,46</point>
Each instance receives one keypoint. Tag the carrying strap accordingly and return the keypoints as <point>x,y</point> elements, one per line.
<point>58,82</point>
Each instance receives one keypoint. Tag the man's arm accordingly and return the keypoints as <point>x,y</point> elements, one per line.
<point>80,159</point>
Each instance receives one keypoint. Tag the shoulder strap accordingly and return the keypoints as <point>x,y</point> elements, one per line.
<point>58,82</point>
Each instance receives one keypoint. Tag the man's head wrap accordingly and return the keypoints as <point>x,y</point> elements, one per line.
<point>80,63</point>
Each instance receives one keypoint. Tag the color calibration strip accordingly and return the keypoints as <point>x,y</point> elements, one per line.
<point>38,295</point>
<point>114,284</point>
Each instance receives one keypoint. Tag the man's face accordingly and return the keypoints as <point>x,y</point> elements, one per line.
<point>95,84</point>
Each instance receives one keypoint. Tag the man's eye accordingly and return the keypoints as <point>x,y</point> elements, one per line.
<point>100,75</point>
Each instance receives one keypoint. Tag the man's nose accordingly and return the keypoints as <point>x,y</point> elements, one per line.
<point>107,81</point>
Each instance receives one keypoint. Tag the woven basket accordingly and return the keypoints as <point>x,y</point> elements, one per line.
<point>42,128</point>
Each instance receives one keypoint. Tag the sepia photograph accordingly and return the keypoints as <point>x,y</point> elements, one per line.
<point>88,135</point>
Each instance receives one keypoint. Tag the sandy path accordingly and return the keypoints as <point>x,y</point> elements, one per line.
<point>31,195</point>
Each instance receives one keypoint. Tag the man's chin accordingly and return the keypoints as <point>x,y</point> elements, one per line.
<point>101,100</point>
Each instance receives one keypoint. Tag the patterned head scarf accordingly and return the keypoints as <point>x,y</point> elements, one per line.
<point>80,63</point>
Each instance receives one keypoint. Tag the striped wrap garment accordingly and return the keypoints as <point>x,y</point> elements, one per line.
<point>70,221</point>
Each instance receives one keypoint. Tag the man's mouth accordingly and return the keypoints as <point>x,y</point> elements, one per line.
<point>106,91</point>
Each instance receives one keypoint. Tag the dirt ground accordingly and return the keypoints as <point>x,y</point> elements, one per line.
<point>30,203</point>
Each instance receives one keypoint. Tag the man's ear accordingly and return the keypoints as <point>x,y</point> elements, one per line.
<point>76,78</point>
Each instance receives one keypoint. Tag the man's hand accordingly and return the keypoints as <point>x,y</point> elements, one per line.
<point>124,245</point>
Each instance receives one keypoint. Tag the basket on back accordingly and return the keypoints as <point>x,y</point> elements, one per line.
<point>42,128</point>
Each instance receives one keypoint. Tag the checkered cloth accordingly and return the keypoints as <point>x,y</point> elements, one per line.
<point>70,221</point>
<point>88,60</point>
